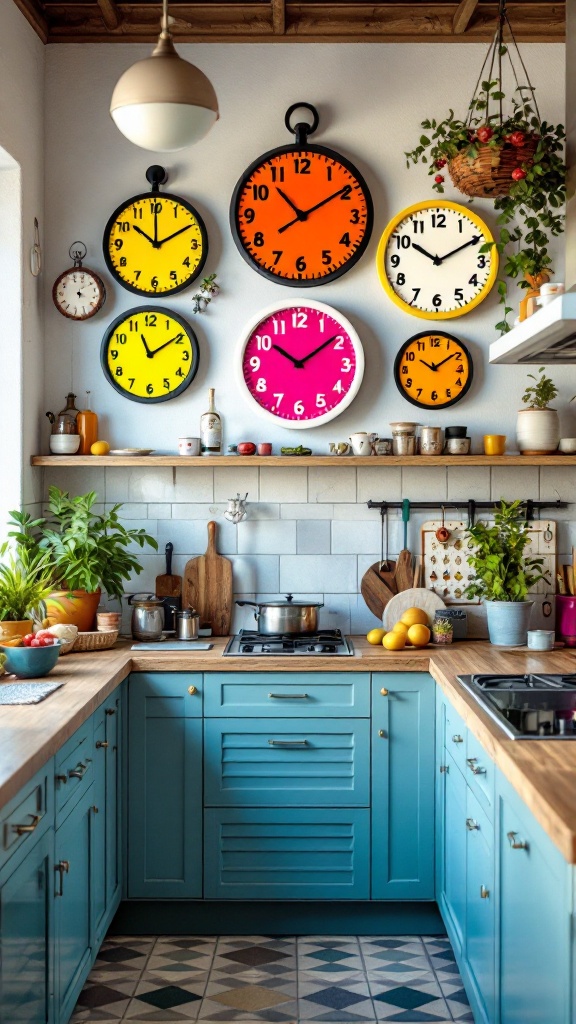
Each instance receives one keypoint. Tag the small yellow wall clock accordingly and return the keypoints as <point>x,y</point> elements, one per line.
<point>433,370</point>
<point>149,354</point>
<point>430,261</point>
<point>155,243</point>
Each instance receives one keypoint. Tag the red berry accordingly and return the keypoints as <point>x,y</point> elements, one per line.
<point>485,133</point>
<point>27,640</point>
<point>440,163</point>
<point>517,138</point>
<point>35,643</point>
<point>518,174</point>
<point>439,179</point>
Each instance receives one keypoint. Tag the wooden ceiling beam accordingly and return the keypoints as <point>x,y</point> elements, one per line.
<point>278,17</point>
<point>35,16</point>
<point>110,14</point>
<point>463,15</point>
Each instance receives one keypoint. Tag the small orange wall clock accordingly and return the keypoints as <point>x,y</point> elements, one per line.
<point>433,370</point>
<point>302,214</point>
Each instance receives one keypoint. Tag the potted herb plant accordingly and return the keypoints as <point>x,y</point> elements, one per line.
<point>538,426</point>
<point>25,583</point>
<point>89,552</point>
<point>504,574</point>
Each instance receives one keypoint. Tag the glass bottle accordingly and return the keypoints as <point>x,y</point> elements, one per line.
<point>210,429</point>
<point>87,423</point>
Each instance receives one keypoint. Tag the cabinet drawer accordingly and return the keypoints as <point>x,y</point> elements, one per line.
<point>74,769</point>
<point>480,774</point>
<point>456,737</point>
<point>288,694</point>
<point>27,816</point>
<point>169,694</point>
<point>279,854</point>
<point>480,941</point>
<point>287,763</point>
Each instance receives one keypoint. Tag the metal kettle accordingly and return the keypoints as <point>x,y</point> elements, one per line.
<point>147,616</point>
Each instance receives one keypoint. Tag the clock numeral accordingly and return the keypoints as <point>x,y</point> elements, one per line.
<point>338,387</point>
<point>298,408</point>
<point>299,319</point>
<point>280,326</point>
<point>133,324</point>
<point>481,261</point>
<point>300,263</point>
<point>346,365</point>
<point>404,369</point>
<point>185,356</point>
<point>132,381</point>
<point>137,274</point>
<point>403,241</point>
<point>166,383</point>
<point>278,395</point>
<point>458,355</point>
<point>263,342</point>
<point>186,262</point>
<point>347,192</point>
<point>260,192</point>
<point>277,173</point>
<point>355,218</point>
<point>261,384</point>
<point>400,279</point>
<point>474,280</point>
<point>277,254</point>
<point>122,261</point>
<point>320,401</point>
<point>438,220</point>
<point>154,282</point>
<point>418,392</point>
<point>173,275</point>
<point>179,372</point>
<point>339,343</point>
<point>326,257</point>
<point>436,301</point>
<point>301,165</point>
<point>249,214</point>
<point>416,294</point>
<point>448,393</point>
<point>460,225</point>
<point>421,346</point>
<point>118,243</point>
<point>329,173</point>
<point>150,319</point>
<point>155,207</point>
<point>119,371</point>
<point>259,239</point>
<point>408,382</point>
<point>176,208</point>
<point>149,389</point>
<point>417,227</point>
<point>434,396</point>
<point>434,342</point>
<point>178,340</point>
<point>458,295</point>
<point>114,353</point>
<point>137,212</point>
<point>345,240</point>
<point>194,243</point>
<point>410,357</point>
<point>395,261</point>
<point>121,339</point>
<point>122,225</point>
<point>458,383</point>
<point>254,364</point>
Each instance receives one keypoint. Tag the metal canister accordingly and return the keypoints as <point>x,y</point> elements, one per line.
<point>187,624</point>
<point>147,617</point>
<point>431,441</point>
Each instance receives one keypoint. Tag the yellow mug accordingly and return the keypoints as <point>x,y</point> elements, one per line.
<point>494,444</point>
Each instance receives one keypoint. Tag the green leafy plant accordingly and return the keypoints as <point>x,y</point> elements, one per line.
<point>25,582</point>
<point>442,626</point>
<point>502,570</point>
<point>540,394</point>
<point>87,550</point>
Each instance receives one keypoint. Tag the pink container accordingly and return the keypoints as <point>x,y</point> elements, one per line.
<point>566,619</point>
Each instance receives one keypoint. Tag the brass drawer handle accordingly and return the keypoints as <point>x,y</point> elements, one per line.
<point>474,767</point>
<point>471,825</point>
<point>384,691</point>
<point>288,696</point>
<point>457,739</point>
<point>21,830</point>
<point>62,868</point>
<point>288,743</point>
<point>522,845</point>
<point>101,743</point>
<point>78,772</point>
<point>192,690</point>
<point>484,892</point>
<point>444,769</point>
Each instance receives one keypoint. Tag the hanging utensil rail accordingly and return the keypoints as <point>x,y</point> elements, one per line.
<point>472,506</point>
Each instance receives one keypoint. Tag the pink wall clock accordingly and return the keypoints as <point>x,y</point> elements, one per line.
<point>301,363</point>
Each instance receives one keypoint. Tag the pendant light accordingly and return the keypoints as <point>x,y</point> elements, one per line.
<point>163,103</point>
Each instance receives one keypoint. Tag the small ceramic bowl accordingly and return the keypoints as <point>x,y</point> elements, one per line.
<point>31,662</point>
<point>455,432</point>
<point>457,445</point>
<point>567,445</point>
<point>64,444</point>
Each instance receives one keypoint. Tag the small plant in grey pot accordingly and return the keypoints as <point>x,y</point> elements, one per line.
<point>442,631</point>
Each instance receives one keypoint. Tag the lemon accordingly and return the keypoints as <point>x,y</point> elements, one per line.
<point>375,636</point>
<point>418,635</point>
<point>400,627</point>
<point>394,641</point>
<point>414,617</point>
<point>100,448</point>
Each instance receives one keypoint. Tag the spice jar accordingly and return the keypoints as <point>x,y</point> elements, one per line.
<point>431,441</point>
<point>403,438</point>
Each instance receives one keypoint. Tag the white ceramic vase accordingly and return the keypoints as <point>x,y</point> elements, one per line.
<point>537,430</point>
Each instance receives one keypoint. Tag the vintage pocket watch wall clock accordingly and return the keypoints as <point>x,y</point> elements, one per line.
<point>149,354</point>
<point>155,243</point>
<point>79,292</point>
<point>300,363</point>
<point>430,261</point>
<point>433,370</point>
<point>301,214</point>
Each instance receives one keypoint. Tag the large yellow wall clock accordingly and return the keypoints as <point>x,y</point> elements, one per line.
<point>155,243</point>
<point>149,354</point>
<point>430,260</point>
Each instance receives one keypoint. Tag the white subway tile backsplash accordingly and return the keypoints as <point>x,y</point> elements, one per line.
<point>131,510</point>
<point>307,511</point>
<point>263,510</point>
<point>159,510</point>
<point>361,618</point>
<point>190,537</point>
<point>353,512</point>
<point>78,480</point>
<point>465,482</point>
<point>510,482</point>
<point>194,484</point>
<point>126,484</point>
<point>266,537</point>
<point>311,573</point>
<point>283,485</point>
<point>558,484</point>
<point>331,484</point>
<point>191,510</point>
<point>424,483</point>
<point>350,538</point>
<point>230,481</point>
<point>379,483</point>
<point>335,613</point>
<point>313,537</point>
<point>256,574</point>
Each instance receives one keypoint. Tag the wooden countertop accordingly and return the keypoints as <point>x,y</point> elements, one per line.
<point>543,772</point>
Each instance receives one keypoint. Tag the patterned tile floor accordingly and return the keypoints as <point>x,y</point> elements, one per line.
<point>260,979</point>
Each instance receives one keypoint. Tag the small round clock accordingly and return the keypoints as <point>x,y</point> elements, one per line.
<point>301,364</point>
<point>79,292</point>
<point>301,215</point>
<point>433,370</point>
<point>149,354</point>
<point>430,260</point>
<point>155,243</point>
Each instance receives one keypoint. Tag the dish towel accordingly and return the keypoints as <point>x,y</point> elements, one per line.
<point>26,693</point>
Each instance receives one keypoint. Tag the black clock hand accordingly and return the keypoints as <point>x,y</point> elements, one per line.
<point>438,365</point>
<point>435,259</point>
<point>300,214</point>
<point>431,366</point>
<point>148,352</point>
<point>155,242</point>
<point>313,208</point>
<point>173,235</point>
<point>176,337</point>
<point>473,241</point>
<point>297,362</point>
<point>140,232</point>
<point>319,349</point>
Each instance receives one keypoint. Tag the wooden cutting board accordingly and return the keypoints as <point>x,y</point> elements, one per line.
<point>416,597</point>
<point>207,586</point>
<point>168,585</point>
<point>376,589</point>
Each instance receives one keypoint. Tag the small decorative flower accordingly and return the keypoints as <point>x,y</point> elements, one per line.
<point>485,133</point>
<point>518,174</point>
<point>440,163</point>
<point>517,138</point>
<point>439,179</point>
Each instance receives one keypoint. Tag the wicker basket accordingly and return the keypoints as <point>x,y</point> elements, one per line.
<point>490,174</point>
<point>96,641</point>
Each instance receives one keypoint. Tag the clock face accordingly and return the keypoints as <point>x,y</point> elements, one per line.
<point>301,363</point>
<point>78,293</point>
<point>433,370</point>
<point>301,216</point>
<point>430,261</point>
<point>149,354</point>
<point>155,244</point>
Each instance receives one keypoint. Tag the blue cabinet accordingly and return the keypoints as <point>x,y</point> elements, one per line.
<point>106,830</point>
<point>403,785</point>
<point>164,786</point>
<point>480,928</point>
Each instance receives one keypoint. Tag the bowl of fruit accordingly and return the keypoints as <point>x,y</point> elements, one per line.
<point>411,630</point>
<point>31,656</point>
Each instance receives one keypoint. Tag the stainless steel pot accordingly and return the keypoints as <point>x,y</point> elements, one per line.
<point>287,616</point>
<point>147,616</point>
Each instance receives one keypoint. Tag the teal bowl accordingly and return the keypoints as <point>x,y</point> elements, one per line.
<point>30,662</point>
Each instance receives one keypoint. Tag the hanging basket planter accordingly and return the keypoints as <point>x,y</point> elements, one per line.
<point>487,172</point>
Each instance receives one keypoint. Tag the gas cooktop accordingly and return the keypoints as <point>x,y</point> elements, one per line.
<point>534,707</point>
<point>324,643</point>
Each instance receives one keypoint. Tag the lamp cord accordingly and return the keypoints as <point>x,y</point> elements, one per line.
<point>164,22</point>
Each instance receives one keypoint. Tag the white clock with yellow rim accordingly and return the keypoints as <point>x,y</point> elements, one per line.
<point>431,261</point>
<point>149,354</point>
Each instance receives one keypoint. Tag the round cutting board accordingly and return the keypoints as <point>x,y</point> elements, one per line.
<point>416,597</point>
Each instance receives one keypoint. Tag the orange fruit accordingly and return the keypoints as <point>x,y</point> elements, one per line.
<point>15,641</point>
<point>418,635</point>
<point>400,627</point>
<point>414,617</point>
<point>375,636</point>
<point>394,641</point>
<point>100,448</point>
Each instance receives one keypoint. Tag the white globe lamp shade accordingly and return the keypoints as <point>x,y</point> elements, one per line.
<point>163,103</point>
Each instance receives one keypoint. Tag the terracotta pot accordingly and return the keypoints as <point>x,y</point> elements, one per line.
<point>77,607</point>
<point>12,629</point>
<point>537,431</point>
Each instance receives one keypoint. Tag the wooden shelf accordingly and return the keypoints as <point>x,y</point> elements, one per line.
<point>188,462</point>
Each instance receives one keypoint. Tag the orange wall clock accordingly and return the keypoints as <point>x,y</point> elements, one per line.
<point>433,370</point>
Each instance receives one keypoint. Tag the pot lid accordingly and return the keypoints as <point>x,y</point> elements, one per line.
<point>289,603</point>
